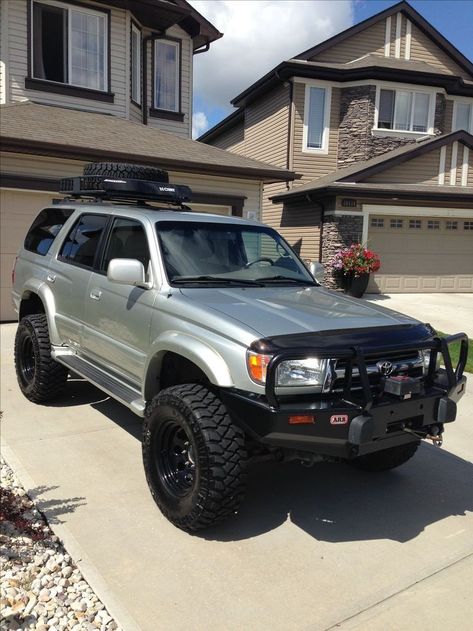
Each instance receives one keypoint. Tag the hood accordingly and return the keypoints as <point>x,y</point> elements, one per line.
<point>272,311</point>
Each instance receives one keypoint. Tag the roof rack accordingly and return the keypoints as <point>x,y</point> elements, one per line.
<point>124,189</point>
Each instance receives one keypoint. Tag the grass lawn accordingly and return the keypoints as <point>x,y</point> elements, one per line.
<point>455,352</point>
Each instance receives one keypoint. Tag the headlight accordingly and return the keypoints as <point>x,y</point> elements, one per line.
<point>426,359</point>
<point>292,372</point>
<point>301,372</point>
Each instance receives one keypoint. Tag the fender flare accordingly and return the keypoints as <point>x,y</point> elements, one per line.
<point>203,356</point>
<point>44,293</point>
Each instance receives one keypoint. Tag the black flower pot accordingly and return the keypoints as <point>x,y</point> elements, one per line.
<point>355,285</point>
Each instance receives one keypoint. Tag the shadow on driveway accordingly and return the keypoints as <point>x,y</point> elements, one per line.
<point>331,501</point>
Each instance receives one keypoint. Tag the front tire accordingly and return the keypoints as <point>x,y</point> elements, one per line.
<point>386,459</point>
<point>40,377</point>
<point>194,457</point>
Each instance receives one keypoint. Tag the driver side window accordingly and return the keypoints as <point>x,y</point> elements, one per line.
<point>127,240</point>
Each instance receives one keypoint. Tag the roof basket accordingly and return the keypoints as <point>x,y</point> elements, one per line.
<point>105,187</point>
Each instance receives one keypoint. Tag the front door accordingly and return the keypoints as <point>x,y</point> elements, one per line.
<point>118,317</point>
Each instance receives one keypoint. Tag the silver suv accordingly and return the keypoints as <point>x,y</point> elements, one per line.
<point>213,330</point>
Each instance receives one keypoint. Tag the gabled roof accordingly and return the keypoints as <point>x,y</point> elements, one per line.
<point>61,132</point>
<point>414,16</point>
<point>352,178</point>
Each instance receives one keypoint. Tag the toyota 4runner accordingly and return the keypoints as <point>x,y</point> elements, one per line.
<point>212,329</point>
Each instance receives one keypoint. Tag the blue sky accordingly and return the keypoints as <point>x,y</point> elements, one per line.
<point>231,64</point>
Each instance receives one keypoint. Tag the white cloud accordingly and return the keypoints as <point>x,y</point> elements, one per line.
<point>200,124</point>
<point>258,34</point>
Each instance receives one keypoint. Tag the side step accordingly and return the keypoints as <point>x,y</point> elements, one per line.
<point>112,386</point>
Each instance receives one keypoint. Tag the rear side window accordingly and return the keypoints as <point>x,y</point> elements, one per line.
<point>82,242</point>
<point>45,228</point>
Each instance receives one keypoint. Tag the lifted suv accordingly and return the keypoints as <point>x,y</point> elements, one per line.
<point>213,330</point>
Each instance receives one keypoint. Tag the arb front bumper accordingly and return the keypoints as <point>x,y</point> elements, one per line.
<point>361,418</point>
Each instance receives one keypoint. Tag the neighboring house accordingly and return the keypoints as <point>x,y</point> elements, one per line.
<point>110,81</point>
<point>378,120</point>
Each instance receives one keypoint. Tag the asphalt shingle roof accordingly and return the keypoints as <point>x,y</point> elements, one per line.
<point>78,133</point>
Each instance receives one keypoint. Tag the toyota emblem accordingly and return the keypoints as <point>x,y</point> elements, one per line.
<point>385,368</point>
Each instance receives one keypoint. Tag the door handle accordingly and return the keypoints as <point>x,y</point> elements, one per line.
<point>51,278</point>
<point>95,294</point>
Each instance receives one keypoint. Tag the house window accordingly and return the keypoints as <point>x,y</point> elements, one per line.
<point>468,225</point>
<point>463,116</point>
<point>451,225</point>
<point>433,224</point>
<point>135,64</point>
<point>396,223</point>
<point>415,224</point>
<point>166,75</point>
<point>69,45</point>
<point>377,222</point>
<point>403,110</point>
<point>316,118</point>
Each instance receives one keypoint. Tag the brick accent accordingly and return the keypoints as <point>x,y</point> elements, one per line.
<point>338,232</point>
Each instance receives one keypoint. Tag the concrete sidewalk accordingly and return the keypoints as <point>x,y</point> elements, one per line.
<point>449,313</point>
<point>310,549</point>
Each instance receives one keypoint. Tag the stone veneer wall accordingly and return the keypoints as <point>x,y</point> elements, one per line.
<point>356,142</point>
<point>338,232</point>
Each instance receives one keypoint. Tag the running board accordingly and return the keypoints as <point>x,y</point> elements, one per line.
<point>115,388</point>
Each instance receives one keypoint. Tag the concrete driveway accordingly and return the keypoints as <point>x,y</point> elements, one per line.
<point>311,548</point>
<point>450,313</point>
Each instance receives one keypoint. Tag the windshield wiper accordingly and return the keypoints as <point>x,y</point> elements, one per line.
<point>216,279</point>
<point>299,281</point>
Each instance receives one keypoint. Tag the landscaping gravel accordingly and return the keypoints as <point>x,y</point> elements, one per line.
<point>41,587</point>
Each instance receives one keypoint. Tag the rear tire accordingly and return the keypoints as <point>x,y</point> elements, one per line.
<point>194,457</point>
<point>386,459</point>
<point>124,170</point>
<point>40,377</point>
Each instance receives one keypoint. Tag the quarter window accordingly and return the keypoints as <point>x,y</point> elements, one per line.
<point>463,118</point>
<point>166,75</point>
<point>316,114</point>
<point>45,228</point>
<point>135,64</point>
<point>403,110</point>
<point>82,242</point>
<point>69,45</point>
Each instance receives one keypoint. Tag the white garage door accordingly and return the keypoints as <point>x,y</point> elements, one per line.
<point>18,209</point>
<point>422,254</point>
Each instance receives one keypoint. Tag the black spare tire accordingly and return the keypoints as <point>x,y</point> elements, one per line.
<point>127,171</point>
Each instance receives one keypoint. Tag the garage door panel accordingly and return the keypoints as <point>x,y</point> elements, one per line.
<point>437,257</point>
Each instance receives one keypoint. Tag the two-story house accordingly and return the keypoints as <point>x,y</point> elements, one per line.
<point>378,121</point>
<point>109,80</point>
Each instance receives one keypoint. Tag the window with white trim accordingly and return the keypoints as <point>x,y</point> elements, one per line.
<point>396,223</point>
<point>404,110</point>
<point>166,75</point>
<point>377,222</point>
<point>135,64</point>
<point>463,116</point>
<point>316,118</point>
<point>433,224</point>
<point>415,224</point>
<point>451,225</point>
<point>69,45</point>
<point>468,225</point>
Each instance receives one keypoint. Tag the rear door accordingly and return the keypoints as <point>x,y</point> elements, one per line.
<point>118,317</point>
<point>69,274</point>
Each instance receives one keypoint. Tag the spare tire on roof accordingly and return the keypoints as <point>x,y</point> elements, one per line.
<point>126,171</point>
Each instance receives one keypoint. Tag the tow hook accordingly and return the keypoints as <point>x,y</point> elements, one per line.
<point>435,435</point>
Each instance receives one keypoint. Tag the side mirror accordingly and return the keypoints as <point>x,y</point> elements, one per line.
<point>317,271</point>
<point>127,272</point>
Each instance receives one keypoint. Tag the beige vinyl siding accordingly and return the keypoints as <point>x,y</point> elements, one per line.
<point>232,139</point>
<point>18,63</point>
<point>424,49</point>
<point>135,113</point>
<point>448,116</point>
<point>266,127</point>
<point>470,169</point>
<point>369,41</point>
<point>421,170</point>
<point>3,51</point>
<point>183,128</point>
<point>314,165</point>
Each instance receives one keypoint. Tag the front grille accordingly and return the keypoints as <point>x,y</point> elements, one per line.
<point>409,363</point>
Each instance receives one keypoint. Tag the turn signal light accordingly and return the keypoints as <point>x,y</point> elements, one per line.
<point>257,366</point>
<point>301,419</point>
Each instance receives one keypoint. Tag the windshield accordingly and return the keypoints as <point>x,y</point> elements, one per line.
<point>197,253</point>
